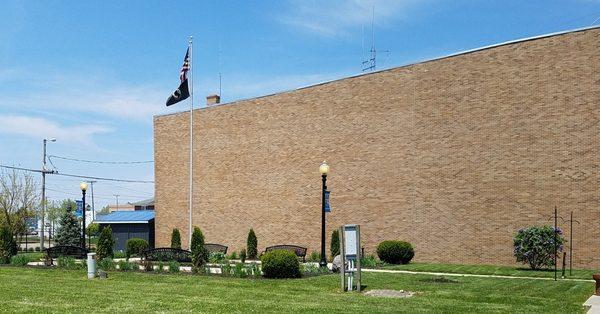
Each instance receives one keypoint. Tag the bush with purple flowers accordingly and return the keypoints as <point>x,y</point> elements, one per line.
<point>535,246</point>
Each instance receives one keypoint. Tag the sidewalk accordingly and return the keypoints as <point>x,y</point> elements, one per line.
<point>369,270</point>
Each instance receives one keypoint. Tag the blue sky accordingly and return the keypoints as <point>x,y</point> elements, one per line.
<point>93,73</point>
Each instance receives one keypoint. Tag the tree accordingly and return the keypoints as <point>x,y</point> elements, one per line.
<point>199,252</point>
<point>252,244</point>
<point>92,230</point>
<point>104,211</point>
<point>54,211</point>
<point>8,245</point>
<point>69,232</point>
<point>176,239</point>
<point>18,198</point>
<point>105,243</point>
<point>335,243</point>
<point>535,246</point>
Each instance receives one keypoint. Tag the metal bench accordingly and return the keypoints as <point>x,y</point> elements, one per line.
<point>64,250</point>
<point>298,250</point>
<point>167,254</point>
<point>212,248</point>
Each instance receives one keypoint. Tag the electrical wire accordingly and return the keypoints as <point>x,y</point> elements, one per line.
<point>102,162</point>
<point>78,176</point>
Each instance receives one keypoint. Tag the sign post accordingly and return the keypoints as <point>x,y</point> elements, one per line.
<point>350,254</point>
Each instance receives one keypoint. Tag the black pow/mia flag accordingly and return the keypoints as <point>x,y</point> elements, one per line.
<point>182,92</point>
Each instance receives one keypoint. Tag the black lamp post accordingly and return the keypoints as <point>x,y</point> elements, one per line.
<point>83,187</point>
<point>324,170</point>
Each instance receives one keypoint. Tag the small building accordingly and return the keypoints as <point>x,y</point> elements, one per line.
<point>147,204</point>
<point>128,224</point>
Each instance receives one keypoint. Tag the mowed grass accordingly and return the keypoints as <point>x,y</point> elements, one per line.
<point>492,270</point>
<point>54,290</point>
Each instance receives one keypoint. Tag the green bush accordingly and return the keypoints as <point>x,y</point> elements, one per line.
<point>37,248</point>
<point>119,254</point>
<point>232,256</point>
<point>395,252</point>
<point>243,255</point>
<point>369,261</point>
<point>252,245</point>
<point>334,248</point>
<point>8,245</point>
<point>199,252</point>
<point>160,267</point>
<point>280,264</point>
<point>535,246</point>
<point>127,266</point>
<point>20,260</point>
<point>106,263</point>
<point>175,239</point>
<point>314,256</point>
<point>216,257</point>
<point>135,247</point>
<point>174,267</point>
<point>105,243</point>
<point>30,249</point>
<point>240,270</point>
<point>68,263</point>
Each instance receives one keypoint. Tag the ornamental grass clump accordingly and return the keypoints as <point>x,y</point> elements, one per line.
<point>395,252</point>
<point>535,246</point>
<point>280,264</point>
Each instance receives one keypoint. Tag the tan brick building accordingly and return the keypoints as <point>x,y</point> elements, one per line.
<point>453,154</point>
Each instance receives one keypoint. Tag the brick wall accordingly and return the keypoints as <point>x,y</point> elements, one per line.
<point>453,155</point>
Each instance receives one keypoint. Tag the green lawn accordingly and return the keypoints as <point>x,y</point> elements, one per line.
<point>54,290</point>
<point>491,270</point>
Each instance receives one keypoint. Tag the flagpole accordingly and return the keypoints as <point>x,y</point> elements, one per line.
<point>191,183</point>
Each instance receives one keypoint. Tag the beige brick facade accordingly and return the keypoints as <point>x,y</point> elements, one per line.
<point>453,155</point>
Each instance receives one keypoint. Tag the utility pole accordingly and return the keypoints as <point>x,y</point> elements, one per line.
<point>43,207</point>
<point>92,190</point>
<point>117,196</point>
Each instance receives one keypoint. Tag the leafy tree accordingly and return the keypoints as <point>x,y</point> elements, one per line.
<point>18,198</point>
<point>105,244</point>
<point>535,246</point>
<point>199,252</point>
<point>175,239</point>
<point>105,210</point>
<point>8,245</point>
<point>69,232</point>
<point>252,244</point>
<point>335,243</point>
<point>92,230</point>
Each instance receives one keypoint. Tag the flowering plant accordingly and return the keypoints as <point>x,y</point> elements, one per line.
<point>535,246</point>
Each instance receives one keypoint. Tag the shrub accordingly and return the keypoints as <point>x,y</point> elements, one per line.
<point>395,252</point>
<point>105,243</point>
<point>69,232</point>
<point>127,266</point>
<point>135,246</point>
<point>8,245</point>
<point>106,263</point>
<point>314,256</point>
<point>30,249</point>
<point>335,243</point>
<point>535,246</point>
<point>175,239</point>
<point>252,245</point>
<point>240,270</point>
<point>174,267</point>
<point>199,253</point>
<point>37,248</point>
<point>68,263</point>
<point>369,261</point>
<point>216,257</point>
<point>280,264</point>
<point>243,255</point>
<point>233,255</point>
<point>160,268</point>
<point>119,254</point>
<point>20,260</point>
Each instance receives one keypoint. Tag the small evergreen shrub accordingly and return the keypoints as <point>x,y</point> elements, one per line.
<point>216,257</point>
<point>106,263</point>
<point>30,249</point>
<point>280,264</point>
<point>105,244</point>
<point>243,255</point>
<point>8,245</point>
<point>395,252</point>
<point>135,247</point>
<point>199,252</point>
<point>334,248</point>
<point>127,266</point>
<point>176,239</point>
<point>20,260</point>
<point>174,267</point>
<point>535,246</point>
<point>252,245</point>
<point>314,256</point>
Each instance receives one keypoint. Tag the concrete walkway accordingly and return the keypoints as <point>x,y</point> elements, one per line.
<point>368,270</point>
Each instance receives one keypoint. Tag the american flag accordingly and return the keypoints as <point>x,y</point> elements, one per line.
<point>185,67</point>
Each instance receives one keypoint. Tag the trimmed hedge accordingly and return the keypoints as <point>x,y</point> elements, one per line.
<point>280,264</point>
<point>395,252</point>
<point>135,246</point>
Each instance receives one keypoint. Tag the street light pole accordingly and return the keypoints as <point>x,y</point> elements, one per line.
<point>43,205</point>
<point>323,169</point>
<point>83,187</point>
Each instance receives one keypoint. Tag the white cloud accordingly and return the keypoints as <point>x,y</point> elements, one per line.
<point>37,128</point>
<point>336,18</point>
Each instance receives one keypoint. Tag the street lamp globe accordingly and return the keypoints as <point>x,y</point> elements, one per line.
<point>83,186</point>
<point>324,168</point>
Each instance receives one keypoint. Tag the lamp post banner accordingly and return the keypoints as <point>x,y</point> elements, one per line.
<point>79,210</point>
<point>327,207</point>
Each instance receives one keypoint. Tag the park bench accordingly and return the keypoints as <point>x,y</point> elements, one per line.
<point>66,251</point>
<point>167,254</point>
<point>213,248</point>
<point>298,250</point>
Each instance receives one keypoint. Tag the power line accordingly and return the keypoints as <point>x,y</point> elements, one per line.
<point>78,176</point>
<point>102,162</point>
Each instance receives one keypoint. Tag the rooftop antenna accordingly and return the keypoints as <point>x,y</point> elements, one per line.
<point>371,63</point>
